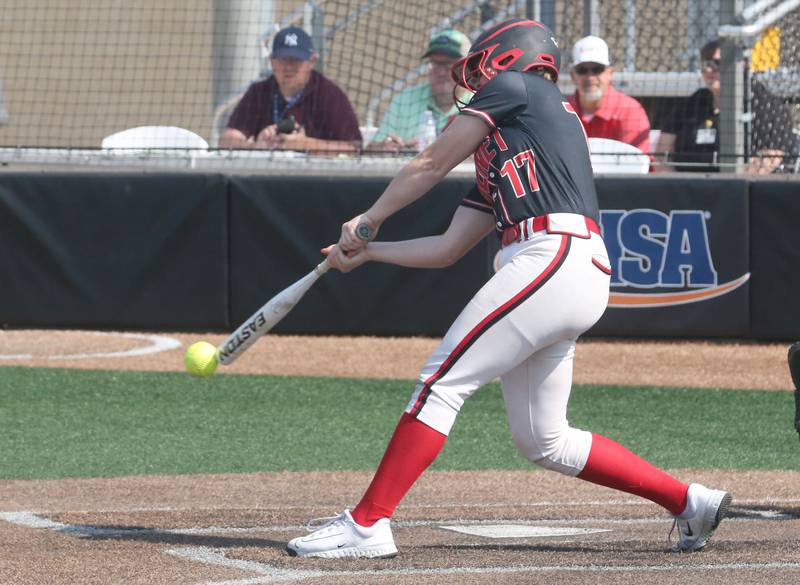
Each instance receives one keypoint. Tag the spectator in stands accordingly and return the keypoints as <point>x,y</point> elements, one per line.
<point>296,108</point>
<point>690,134</point>
<point>604,111</point>
<point>400,126</point>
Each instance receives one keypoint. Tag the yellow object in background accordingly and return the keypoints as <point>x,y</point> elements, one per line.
<point>766,54</point>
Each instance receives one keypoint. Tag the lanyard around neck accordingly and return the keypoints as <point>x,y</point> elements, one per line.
<point>278,115</point>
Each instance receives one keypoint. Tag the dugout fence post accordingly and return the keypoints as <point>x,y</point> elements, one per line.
<point>732,92</point>
<point>547,13</point>
<point>591,17</point>
<point>314,21</point>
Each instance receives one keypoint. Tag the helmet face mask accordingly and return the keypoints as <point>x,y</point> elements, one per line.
<point>470,72</point>
<point>517,44</point>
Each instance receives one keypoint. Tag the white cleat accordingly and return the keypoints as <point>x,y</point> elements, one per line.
<point>340,537</point>
<point>705,509</point>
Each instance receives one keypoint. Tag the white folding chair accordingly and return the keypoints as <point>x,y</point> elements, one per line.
<point>615,157</point>
<point>143,137</point>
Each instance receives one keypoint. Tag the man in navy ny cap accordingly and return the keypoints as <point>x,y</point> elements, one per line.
<point>296,108</point>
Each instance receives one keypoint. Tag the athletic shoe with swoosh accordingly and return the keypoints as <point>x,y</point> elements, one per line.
<point>705,509</point>
<point>341,537</point>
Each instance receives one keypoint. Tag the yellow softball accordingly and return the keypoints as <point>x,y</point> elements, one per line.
<point>200,359</point>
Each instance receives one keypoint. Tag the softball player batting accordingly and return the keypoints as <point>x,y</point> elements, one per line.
<point>535,188</point>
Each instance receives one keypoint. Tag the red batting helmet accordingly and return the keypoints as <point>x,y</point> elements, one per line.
<point>517,44</point>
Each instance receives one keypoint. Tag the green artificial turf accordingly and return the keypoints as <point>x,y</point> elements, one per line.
<point>76,423</point>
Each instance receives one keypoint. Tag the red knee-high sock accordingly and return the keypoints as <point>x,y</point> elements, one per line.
<point>413,447</point>
<point>612,465</point>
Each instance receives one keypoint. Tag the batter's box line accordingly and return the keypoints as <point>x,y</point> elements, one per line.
<point>270,574</point>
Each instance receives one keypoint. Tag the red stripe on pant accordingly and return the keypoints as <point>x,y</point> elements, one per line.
<point>490,320</point>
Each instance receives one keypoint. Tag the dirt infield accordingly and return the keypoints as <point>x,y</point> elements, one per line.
<point>454,527</point>
<point>698,364</point>
<point>232,529</point>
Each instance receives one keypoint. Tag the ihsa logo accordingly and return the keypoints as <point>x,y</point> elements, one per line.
<point>651,250</point>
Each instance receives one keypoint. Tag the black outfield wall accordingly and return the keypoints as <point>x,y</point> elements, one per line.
<point>113,250</point>
<point>775,259</point>
<point>295,217</point>
<point>692,257</point>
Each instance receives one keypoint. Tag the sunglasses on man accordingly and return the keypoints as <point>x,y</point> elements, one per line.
<point>711,65</point>
<point>589,69</point>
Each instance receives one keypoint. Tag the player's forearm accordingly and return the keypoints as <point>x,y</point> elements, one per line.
<point>467,228</point>
<point>420,253</point>
<point>411,183</point>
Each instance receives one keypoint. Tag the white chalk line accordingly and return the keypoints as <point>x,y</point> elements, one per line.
<point>157,344</point>
<point>271,574</point>
<point>516,530</point>
<point>31,520</point>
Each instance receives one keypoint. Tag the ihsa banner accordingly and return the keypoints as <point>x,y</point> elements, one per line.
<point>679,256</point>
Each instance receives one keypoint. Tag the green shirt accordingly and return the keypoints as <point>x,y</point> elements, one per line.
<point>405,113</point>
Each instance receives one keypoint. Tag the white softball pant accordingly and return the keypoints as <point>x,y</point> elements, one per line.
<point>522,327</point>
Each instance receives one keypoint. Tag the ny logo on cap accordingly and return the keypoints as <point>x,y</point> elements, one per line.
<point>291,40</point>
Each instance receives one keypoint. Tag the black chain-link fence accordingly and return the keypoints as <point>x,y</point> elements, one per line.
<point>75,71</point>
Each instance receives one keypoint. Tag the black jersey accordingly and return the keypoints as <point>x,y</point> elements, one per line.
<point>536,158</point>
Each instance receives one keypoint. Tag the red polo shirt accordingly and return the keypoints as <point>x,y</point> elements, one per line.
<point>619,117</point>
<point>323,110</point>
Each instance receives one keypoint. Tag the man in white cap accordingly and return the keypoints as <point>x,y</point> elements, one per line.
<point>604,111</point>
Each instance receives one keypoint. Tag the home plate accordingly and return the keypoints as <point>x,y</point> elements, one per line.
<point>520,530</point>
